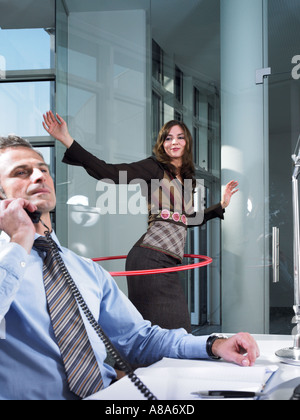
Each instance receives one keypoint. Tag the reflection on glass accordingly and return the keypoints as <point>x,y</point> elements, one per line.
<point>25,49</point>
<point>22,106</point>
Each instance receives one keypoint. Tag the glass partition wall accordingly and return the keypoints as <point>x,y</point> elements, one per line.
<point>127,76</point>
<point>117,71</point>
<point>133,66</point>
<point>283,90</point>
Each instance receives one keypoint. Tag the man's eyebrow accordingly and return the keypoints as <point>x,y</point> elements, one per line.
<point>40,164</point>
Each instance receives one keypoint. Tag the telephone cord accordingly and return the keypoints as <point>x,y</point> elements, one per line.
<point>123,364</point>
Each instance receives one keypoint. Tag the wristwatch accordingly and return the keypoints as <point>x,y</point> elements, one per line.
<point>209,344</point>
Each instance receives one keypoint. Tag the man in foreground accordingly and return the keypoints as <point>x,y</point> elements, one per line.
<point>39,358</point>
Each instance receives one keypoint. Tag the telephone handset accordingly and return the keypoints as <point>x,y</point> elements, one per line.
<point>122,363</point>
<point>34,216</point>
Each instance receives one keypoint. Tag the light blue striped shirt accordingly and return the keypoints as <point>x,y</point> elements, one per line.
<point>31,366</point>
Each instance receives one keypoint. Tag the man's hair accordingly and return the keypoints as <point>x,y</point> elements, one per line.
<point>13,141</point>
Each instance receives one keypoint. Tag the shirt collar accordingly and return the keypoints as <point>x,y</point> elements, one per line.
<point>54,237</point>
<point>6,238</point>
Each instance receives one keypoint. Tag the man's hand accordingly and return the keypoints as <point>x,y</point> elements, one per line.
<point>15,222</point>
<point>57,128</point>
<point>241,349</point>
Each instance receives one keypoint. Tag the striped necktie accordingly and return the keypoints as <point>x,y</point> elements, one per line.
<point>82,370</point>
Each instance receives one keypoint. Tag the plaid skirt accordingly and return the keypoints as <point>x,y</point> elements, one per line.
<point>158,297</point>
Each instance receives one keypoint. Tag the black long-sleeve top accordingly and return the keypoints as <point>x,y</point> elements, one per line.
<point>170,206</point>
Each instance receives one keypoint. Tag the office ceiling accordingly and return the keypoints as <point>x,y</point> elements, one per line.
<point>20,14</point>
<point>189,29</point>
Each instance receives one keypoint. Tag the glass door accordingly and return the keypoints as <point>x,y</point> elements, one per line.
<point>284,129</point>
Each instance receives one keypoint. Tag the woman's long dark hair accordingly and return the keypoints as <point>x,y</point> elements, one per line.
<point>187,170</point>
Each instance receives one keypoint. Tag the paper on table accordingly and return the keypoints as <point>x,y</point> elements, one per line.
<point>176,380</point>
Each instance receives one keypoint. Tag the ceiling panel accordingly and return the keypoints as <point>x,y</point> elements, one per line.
<point>21,14</point>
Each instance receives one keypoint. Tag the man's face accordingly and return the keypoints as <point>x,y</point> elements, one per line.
<point>24,174</point>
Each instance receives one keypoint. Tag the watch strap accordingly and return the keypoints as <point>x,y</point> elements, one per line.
<point>209,344</point>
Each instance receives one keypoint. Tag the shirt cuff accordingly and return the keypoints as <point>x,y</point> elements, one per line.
<point>194,347</point>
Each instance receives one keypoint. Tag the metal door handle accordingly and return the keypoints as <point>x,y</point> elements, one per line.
<point>275,255</point>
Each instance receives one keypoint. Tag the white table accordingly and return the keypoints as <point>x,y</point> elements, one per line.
<point>164,382</point>
<point>287,378</point>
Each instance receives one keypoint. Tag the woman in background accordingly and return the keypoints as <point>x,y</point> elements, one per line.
<point>158,297</point>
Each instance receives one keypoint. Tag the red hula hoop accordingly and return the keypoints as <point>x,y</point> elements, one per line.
<point>206,261</point>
